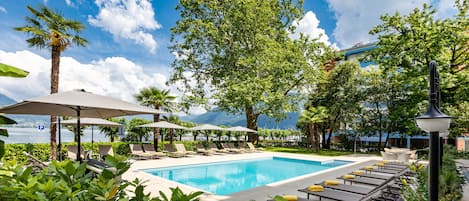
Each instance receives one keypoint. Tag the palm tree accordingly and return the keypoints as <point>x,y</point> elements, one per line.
<point>311,118</point>
<point>175,120</point>
<point>49,29</point>
<point>158,99</point>
<point>112,132</point>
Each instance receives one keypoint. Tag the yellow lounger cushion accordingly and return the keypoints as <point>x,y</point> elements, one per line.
<point>385,161</point>
<point>379,164</point>
<point>358,172</point>
<point>316,188</point>
<point>331,182</point>
<point>369,167</point>
<point>290,197</point>
<point>348,176</point>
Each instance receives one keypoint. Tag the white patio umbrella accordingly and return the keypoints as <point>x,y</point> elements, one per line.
<point>91,122</point>
<point>240,129</point>
<point>207,127</point>
<point>165,124</point>
<point>77,103</point>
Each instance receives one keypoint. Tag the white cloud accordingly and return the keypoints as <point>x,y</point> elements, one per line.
<point>3,10</point>
<point>446,9</point>
<point>309,25</point>
<point>69,2</point>
<point>355,18</point>
<point>114,76</point>
<point>128,19</point>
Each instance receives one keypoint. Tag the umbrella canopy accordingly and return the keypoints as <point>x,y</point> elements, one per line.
<point>10,71</point>
<point>206,127</point>
<point>91,122</point>
<point>163,124</point>
<point>240,129</point>
<point>68,103</point>
<point>77,103</point>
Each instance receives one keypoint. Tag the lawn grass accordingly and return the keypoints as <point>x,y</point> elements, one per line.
<point>323,152</point>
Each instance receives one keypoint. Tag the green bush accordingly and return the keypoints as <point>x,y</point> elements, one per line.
<point>449,185</point>
<point>72,181</point>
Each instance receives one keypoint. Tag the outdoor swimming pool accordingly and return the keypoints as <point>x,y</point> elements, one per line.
<point>230,177</point>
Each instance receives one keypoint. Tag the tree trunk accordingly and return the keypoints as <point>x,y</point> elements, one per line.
<point>251,122</point>
<point>219,138</point>
<point>75,134</point>
<point>156,118</point>
<point>328,143</point>
<point>54,88</point>
<point>323,136</point>
<point>180,137</point>
<point>171,134</point>
<point>317,146</point>
<point>195,136</point>
<point>380,126</point>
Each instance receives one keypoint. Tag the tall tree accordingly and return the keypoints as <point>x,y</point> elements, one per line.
<point>157,99</point>
<point>408,43</point>
<point>310,118</point>
<point>49,29</point>
<point>112,132</point>
<point>236,55</point>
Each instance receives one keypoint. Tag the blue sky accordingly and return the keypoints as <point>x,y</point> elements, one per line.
<point>128,40</point>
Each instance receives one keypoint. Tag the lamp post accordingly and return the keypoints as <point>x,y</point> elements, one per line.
<point>434,122</point>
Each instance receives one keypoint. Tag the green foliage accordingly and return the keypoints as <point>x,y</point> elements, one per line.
<point>407,44</point>
<point>42,151</point>
<point>69,180</point>
<point>112,132</point>
<point>240,56</point>
<point>178,195</point>
<point>450,182</point>
<point>136,133</point>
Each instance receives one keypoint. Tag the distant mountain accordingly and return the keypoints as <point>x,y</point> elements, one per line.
<point>216,118</point>
<point>5,100</point>
<point>223,118</point>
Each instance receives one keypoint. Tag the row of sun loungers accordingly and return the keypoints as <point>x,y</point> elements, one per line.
<point>383,178</point>
<point>147,151</point>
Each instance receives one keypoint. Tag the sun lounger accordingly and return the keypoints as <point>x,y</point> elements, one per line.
<point>182,148</point>
<point>347,188</point>
<point>252,148</point>
<point>173,152</point>
<point>214,148</point>
<point>382,170</point>
<point>333,195</point>
<point>72,152</point>
<point>150,149</point>
<point>105,150</point>
<point>35,163</point>
<point>201,150</point>
<point>231,148</point>
<point>298,199</point>
<point>137,151</point>
<point>373,176</point>
<point>361,180</point>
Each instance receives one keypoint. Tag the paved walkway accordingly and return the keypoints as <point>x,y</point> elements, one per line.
<point>155,184</point>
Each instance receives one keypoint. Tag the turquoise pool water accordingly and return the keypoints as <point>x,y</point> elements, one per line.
<point>230,177</point>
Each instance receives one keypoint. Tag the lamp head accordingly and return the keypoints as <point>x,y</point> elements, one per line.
<point>433,120</point>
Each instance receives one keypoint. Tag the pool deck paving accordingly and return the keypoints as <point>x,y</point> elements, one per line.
<point>155,184</point>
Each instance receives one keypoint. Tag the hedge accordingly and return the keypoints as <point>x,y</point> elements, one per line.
<point>42,150</point>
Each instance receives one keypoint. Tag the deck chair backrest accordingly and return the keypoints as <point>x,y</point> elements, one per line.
<point>251,146</point>
<point>199,146</point>
<point>73,151</point>
<point>169,147</point>
<point>180,147</point>
<point>105,150</point>
<point>136,148</point>
<point>149,147</point>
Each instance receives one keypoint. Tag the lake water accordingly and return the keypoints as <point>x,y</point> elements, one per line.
<point>33,135</point>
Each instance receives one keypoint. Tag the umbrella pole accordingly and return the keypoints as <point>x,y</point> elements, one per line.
<point>78,136</point>
<point>59,149</point>
<point>92,140</point>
